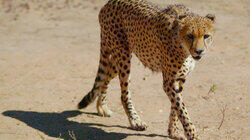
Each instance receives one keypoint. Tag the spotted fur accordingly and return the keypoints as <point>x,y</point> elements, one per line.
<point>167,40</point>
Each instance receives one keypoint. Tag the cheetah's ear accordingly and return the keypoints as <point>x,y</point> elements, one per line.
<point>179,20</point>
<point>211,17</point>
<point>180,17</point>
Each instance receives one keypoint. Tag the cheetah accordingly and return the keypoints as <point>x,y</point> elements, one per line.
<point>165,39</point>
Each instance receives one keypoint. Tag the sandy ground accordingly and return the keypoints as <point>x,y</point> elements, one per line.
<point>49,51</point>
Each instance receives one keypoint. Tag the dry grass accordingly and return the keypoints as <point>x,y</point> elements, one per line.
<point>223,110</point>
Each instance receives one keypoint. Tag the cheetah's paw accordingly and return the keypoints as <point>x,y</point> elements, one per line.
<point>175,134</point>
<point>138,125</point>
<point>104,111</point>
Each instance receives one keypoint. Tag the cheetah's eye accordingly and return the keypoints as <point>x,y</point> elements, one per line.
<point>190,36</point>
<point>206,36</point>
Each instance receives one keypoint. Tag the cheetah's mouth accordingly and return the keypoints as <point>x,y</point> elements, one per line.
<point>197,57</point>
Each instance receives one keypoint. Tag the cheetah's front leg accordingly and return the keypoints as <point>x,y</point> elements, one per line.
<point>178,106</point>
<point>173,130</point>
<point>124,70</point>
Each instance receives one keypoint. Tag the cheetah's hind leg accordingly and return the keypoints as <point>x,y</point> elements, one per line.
<point>101,105</point>
<point>105,74</point>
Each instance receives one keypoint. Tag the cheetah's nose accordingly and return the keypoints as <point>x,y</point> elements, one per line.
<point>199,51</point>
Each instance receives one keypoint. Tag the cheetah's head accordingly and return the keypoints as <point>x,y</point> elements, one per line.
<point>197,34</point>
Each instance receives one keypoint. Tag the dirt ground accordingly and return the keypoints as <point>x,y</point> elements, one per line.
<point>49,52</point>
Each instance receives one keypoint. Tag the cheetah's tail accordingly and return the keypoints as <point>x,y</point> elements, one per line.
<point>87,99</point>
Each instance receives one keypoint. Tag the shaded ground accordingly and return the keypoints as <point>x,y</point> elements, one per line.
<point>49,52</point>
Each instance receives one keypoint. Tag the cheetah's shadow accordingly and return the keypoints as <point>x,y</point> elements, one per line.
<point>57,125</point>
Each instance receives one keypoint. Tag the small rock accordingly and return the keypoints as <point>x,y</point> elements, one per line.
<point>205,128</point>
<point>90,116</point>
<point>200,86</point>
<point>205,97</point>
<point>236,108</point>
